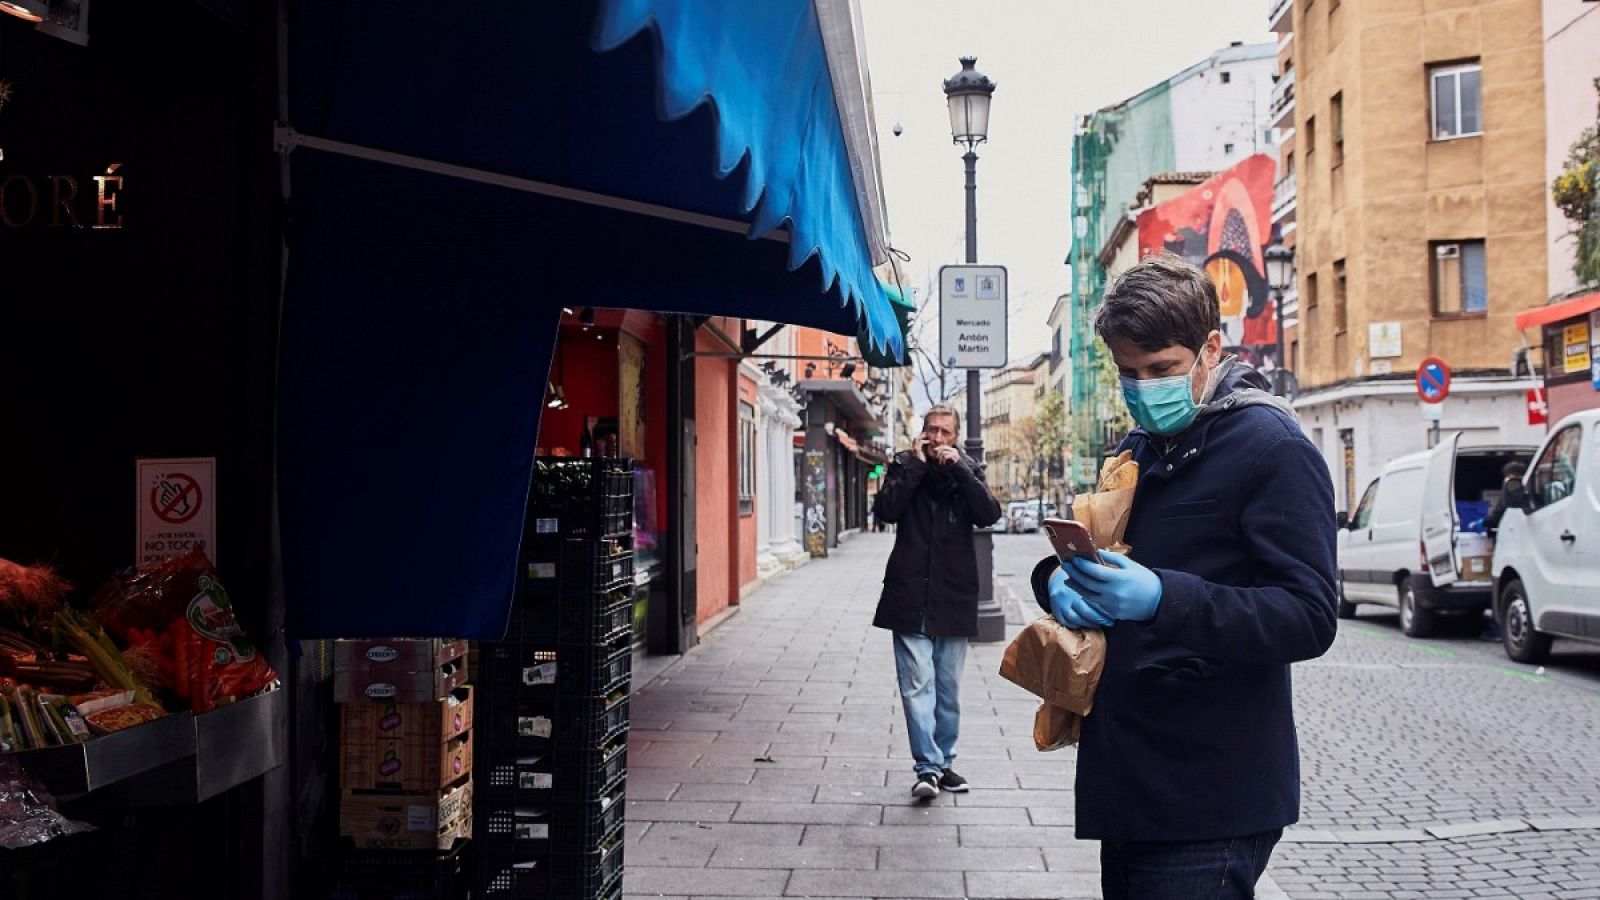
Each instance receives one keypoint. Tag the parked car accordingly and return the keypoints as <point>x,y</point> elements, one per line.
<point>1416,541</point>
<point>1547,555</point>
<point>1022,516</point>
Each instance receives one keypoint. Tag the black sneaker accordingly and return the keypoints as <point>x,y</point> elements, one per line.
<point>927,786</point>
<point>952,782</point>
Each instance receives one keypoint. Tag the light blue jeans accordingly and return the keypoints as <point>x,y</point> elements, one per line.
<point>929,671</point>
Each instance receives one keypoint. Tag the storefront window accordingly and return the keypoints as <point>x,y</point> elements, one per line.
<point>747,459</point>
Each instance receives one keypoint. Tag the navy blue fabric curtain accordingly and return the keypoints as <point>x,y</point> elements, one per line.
<point>421,310</point>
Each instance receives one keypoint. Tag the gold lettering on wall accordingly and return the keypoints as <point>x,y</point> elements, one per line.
<point>106,185</point>
<point>61,202</point>
<point>21,195</point>
<point>10,189</point>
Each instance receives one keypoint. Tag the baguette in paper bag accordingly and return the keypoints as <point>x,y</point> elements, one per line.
<point>1105,511</point>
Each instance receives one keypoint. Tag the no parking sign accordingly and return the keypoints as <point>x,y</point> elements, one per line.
<point>177,507</point>
<point>1433,380</point>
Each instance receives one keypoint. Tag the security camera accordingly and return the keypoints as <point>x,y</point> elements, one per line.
<point>898,129</point>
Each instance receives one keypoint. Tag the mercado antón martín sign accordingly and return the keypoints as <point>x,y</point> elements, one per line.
<point>972,317</point>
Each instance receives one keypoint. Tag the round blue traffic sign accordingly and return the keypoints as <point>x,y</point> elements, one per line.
<point>1433,380</point>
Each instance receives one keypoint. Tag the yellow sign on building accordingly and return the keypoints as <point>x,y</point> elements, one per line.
<point>1576,340</point>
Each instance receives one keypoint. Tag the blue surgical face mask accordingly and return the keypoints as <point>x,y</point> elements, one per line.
<point>1163,406</point>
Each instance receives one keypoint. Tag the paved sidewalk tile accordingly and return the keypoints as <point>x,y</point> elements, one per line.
<point>920,885</point>
<point>772,761</point>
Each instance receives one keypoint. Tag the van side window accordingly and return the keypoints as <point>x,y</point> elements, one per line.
<point>1363,517</point>
<point>1400,498</point>
<point>1555,475</point>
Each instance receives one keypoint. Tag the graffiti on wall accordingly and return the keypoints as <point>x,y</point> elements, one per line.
<point>816,503</point>
<point>1225,225</point>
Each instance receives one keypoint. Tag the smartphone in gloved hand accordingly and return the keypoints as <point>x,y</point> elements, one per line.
<point>1071,539</point>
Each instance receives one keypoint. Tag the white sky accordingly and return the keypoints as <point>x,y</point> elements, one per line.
<point>1052,60</point>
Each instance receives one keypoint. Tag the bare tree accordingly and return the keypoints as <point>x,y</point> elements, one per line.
<point>937,384</point>
<point>1043,437</point>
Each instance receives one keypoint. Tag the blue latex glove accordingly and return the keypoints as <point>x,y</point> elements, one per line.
<point>1121,589</point>
<point>1069,607</point>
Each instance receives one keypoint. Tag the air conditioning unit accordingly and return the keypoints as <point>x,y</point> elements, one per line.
<point>1447,251</point>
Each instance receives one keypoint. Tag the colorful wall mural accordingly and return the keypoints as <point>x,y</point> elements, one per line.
<point>1225,225</point>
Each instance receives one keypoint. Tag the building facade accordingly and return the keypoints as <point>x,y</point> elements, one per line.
<point>1420,218</point>
<point>1208,117</point>
<point>1009,400</point>
<point>1571,104</point>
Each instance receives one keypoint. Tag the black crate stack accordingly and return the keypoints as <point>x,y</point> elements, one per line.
<point>552,699</point>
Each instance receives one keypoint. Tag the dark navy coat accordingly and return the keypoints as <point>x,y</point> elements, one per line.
<point>931,583</point>
<point>1192,735</point>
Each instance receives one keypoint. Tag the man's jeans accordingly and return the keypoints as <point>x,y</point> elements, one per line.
<point>929,670</point>
<point>1185,870</point>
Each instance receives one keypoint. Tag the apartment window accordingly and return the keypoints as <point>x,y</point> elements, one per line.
<point>1340,318</point>
<point>747,459</point>
<point>1460,281</point>
<point>1311,291</point>
<point>1336,111</point>
<point>1227,77</point>
<point>1311,136</point>
<point>1288,164</point>
<point>1457,100</point>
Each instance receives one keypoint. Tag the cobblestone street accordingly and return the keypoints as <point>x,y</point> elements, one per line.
<point>771,762</point>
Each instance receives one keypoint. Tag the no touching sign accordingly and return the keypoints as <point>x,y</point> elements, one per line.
<point>177,507</point>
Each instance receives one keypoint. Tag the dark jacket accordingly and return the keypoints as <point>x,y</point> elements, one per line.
<point>931,584</point>
<point>1512,496</point>
<point>1192,735</point>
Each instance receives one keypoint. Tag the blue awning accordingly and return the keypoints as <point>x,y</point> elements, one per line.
<point>462,175</point>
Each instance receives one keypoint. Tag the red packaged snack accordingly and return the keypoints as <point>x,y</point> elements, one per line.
<point>177,613</point>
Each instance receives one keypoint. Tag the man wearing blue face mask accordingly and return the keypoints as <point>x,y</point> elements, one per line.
<point>1188,768</point>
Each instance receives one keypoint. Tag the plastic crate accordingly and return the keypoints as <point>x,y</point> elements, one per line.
<point>509,878</point>
<point>590,722</point>
<point>572,670</point>
<point>588,823</point>
<point>593,619</point>
<point>575,569</point>
<point>596,873</point>
<point>580,497</point>
<point>585,773</point>
<point>398,874</point>
<point>512,773</point>
<point>508,717</point>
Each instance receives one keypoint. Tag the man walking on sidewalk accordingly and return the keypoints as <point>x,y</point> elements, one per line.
<point>936,495</point>
<point>1188,768</point>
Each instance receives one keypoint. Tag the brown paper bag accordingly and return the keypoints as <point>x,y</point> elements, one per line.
<point>1057,664</point>
<point>1054,728</point>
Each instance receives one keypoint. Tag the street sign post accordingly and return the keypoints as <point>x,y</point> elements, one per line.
<point>972,317</point>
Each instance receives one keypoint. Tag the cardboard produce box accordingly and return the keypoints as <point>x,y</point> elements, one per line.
<point>401,765</point>
<point>1475,568</point>
<point>431,820</point>
<point>396,654</point>
<point>429,722</point>
<point>385,683</point>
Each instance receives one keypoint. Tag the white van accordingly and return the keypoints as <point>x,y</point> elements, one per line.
<point>1547,557</point>
<point>1417,542</point>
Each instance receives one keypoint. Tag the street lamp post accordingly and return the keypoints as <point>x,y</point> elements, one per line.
<point>968,93</point>
<point>1280,272</point>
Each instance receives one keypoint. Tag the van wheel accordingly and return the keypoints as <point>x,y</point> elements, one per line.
<point>1522,642</point>
<point>1414,622</point>
<point>1347,610</point>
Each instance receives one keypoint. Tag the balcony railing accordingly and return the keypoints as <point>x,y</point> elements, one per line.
<point>1282,106</point>
<point>1280,16</point>
<point>1283,198</point>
